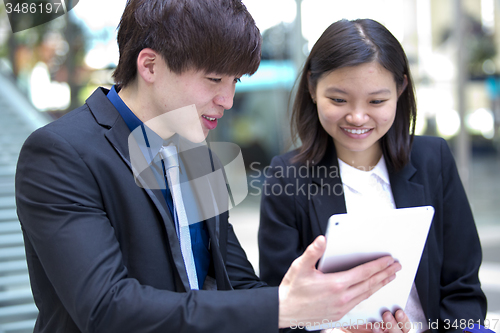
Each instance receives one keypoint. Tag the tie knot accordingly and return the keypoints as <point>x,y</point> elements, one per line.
<point>169,156</point>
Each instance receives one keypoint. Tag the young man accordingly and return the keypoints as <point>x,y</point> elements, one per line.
<point>105,248</point>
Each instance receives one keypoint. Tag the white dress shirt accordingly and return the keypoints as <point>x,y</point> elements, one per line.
<point>371,190</point>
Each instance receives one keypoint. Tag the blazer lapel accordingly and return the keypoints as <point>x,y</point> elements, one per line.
<point>221,276</point>
<point>408,193</point>
<point>329,198</point>
<point>117,135</point>
<point>210,191</point>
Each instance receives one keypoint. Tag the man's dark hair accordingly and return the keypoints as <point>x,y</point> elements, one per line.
<point>350,43</point>
<point>215,36</point>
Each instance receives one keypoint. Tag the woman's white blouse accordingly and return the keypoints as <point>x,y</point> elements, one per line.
<point>371,190</point>
<point>366,189</point>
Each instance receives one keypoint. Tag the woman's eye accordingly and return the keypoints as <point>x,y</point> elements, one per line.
<point>338,100</point>
<point>377,101</point>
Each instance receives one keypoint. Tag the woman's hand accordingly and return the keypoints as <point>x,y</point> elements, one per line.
<point>400,323</point>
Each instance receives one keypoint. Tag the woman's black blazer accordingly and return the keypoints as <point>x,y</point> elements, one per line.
<point>297,201</point>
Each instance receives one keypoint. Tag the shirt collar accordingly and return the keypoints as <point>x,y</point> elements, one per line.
<point>381,171</point>
<point>128,116</point>
<point>358,179</point>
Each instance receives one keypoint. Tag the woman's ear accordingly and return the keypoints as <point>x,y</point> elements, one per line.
<point>146,61</point>
<point>403,86</point>
<point>312,90</point>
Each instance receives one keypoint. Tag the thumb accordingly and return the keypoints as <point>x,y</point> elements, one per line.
<point>314,252</point>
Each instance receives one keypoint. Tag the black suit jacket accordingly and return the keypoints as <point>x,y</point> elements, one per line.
<point>102,252</point>
<point>447,278</point>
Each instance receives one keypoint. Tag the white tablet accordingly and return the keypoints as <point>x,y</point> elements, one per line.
<point>356,238</point>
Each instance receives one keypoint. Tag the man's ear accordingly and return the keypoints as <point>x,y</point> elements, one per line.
<point>146,61</point>
<point>403,87</point>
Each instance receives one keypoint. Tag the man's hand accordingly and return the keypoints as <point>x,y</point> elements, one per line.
<point>308,295</point>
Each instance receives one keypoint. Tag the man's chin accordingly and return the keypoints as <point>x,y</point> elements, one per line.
<point>196,137</point>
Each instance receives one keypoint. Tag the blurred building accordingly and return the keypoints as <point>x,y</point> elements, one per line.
<point>259,121</point>
<point>74,54</point>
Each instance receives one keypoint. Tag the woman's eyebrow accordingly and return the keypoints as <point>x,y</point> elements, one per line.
<point>335,90</point>
<point>381,91</point>
<point>341,91</point>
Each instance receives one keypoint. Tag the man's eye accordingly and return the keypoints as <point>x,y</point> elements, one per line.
<point>214,79</point>
<point>237,80</point>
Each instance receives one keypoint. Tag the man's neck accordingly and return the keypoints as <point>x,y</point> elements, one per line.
<point>135,101</point>
<point>138,101</point>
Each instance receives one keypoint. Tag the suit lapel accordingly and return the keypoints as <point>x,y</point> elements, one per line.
<point>117,135</point>
<point>330,198</point>
<point>212,199</point>
<point>408,193</point>
<point>221,277</point>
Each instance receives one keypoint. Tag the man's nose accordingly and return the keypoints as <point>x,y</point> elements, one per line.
<point>225,98</point>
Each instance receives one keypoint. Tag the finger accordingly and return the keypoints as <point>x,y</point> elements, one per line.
<point>376,281</point>
<point>377,327</point>
<point>390,323</point>
<point>366,288</point>
<point>401,317</point>
<point>365,271</point>
<point>359,329</point>
<point>313,253</point>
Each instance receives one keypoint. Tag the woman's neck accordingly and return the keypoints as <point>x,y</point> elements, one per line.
<point>363,160</point>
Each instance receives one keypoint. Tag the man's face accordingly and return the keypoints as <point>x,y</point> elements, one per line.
<point>192,102</point>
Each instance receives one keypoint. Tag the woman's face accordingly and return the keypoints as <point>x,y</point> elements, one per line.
<point>357,106</point>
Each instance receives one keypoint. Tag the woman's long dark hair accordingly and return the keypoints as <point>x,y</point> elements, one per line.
<point>350,43</point>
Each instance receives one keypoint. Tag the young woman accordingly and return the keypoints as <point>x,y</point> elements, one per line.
<point>354,114</point>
